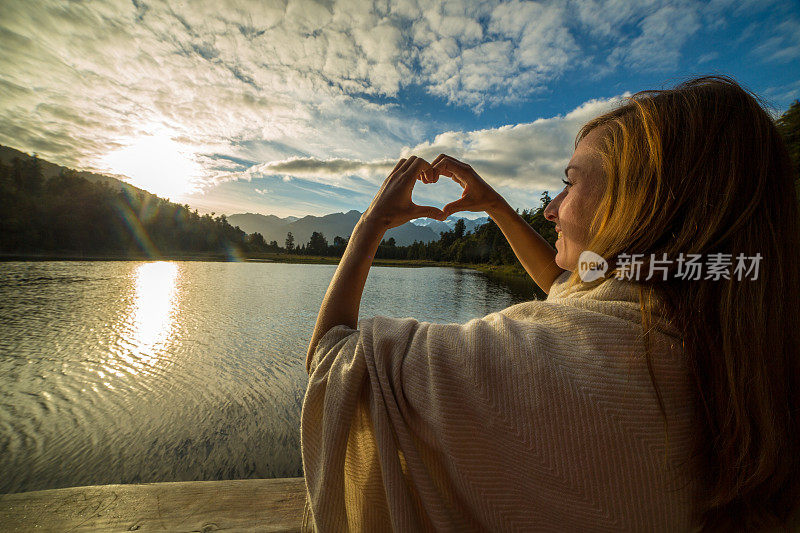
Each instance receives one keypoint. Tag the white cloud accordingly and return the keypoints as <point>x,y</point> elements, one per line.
<point>271,81</point>
<point>781,97</point>
<point>520,160</point>
<point>527,157</point>
<point>353,174</point>
<point>705,58</point>
<point>784,42</point>
<point>661,35</point>
<point>214,75</point>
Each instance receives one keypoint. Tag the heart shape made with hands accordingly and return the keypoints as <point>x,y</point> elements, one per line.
<point>393,205</point>
<point>463,203</point>
<point>443,189</point>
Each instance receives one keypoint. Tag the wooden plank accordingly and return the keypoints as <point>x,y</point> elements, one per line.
<point>254,504</point>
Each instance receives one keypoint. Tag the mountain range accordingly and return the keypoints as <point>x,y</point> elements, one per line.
<point>333,225</point>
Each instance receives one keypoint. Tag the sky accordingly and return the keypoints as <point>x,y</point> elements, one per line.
<point>301,107</point>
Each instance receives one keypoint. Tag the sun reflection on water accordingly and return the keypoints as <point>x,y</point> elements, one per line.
<point>154,311</point>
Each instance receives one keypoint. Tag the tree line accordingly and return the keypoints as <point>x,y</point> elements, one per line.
<point>70,214</point>
<point>485,245</point>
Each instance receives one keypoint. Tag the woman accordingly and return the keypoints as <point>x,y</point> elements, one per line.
<point>651,402</point>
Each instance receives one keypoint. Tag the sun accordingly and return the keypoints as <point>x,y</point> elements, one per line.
<point>156,163</point>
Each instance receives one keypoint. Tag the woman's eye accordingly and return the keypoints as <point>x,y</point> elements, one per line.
<point>565,182</point>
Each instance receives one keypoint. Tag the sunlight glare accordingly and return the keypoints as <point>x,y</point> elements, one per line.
<point>155,307</point>
<point>157,164</point>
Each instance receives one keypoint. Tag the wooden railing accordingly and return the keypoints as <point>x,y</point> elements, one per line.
<point>251,504</point>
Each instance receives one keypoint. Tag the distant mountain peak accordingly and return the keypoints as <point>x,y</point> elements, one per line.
<point>331,225</point>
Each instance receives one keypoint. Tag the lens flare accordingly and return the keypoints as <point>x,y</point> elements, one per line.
<point>155,163</point>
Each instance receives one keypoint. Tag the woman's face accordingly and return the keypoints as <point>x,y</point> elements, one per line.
<point>573,209</point>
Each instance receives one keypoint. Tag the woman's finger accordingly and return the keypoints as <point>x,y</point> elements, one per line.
<point>431,175</point>
<point>462,204</point>
<point>408,163</point>
<point>398,165</point>
<point>445,167</point>
<point>420,211</point>
<point>440,157</point>
<point>455,162</point>
<point>437,159</point>
<point>416,168</point>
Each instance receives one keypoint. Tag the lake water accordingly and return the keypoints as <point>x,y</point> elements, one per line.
<point>128,372</point>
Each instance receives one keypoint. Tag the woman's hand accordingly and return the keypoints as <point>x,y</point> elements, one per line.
<point>392,206</point>
<point>477,196</point>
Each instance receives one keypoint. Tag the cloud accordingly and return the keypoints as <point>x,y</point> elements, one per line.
<point>779,98</point>
<point>215,76</point>
<point>527,157</point>
<point>784,42</point>
<point>301,82</point>
<point>519,160</point>
<point>356,176</point>
<point>305,166</point>
<point>520,47</point>
<point>705,58</point>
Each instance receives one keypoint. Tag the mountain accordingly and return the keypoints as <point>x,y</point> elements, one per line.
<point>264,224</point>
<point>437,226</point>
<point>470,224</point>
<point>335,224</point>
<point>332,225</point>
<point>50,170</point>
<point>450,223</point>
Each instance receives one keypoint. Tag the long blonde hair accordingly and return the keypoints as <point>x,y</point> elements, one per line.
<point>702,169</point>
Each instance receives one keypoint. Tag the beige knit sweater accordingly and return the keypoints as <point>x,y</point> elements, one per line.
<point>539,417</point>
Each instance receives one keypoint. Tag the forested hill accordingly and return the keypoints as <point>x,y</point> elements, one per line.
<point>45,208</point>
<point>50,170</point>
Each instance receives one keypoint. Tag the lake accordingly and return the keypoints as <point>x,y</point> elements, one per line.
<point>129,372</point>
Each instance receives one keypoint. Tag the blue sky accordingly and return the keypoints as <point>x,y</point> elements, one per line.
<point>302,107</point>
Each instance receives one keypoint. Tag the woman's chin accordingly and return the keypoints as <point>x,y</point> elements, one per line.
<point>560,261</point>
<point>564,265</point>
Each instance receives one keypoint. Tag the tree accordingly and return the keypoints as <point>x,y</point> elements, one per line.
<point>289,242</point>
<point>545,198</point>
<point>256,241</point>
<point>459,228</point>
<point>789,126</point>
<point>317,245</point>
<point>67,213</point>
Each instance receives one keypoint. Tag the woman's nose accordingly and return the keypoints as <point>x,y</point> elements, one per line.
<point>550,211</point>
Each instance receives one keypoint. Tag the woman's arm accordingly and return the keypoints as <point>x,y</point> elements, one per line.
<point>532,250</point>
<point>535,253</point>
<point>343,298</point>
<point>391,207</point>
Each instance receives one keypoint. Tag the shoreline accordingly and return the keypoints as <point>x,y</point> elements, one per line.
<point>509,275</point>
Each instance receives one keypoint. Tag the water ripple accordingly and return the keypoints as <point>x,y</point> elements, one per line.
<point>126,372</point>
